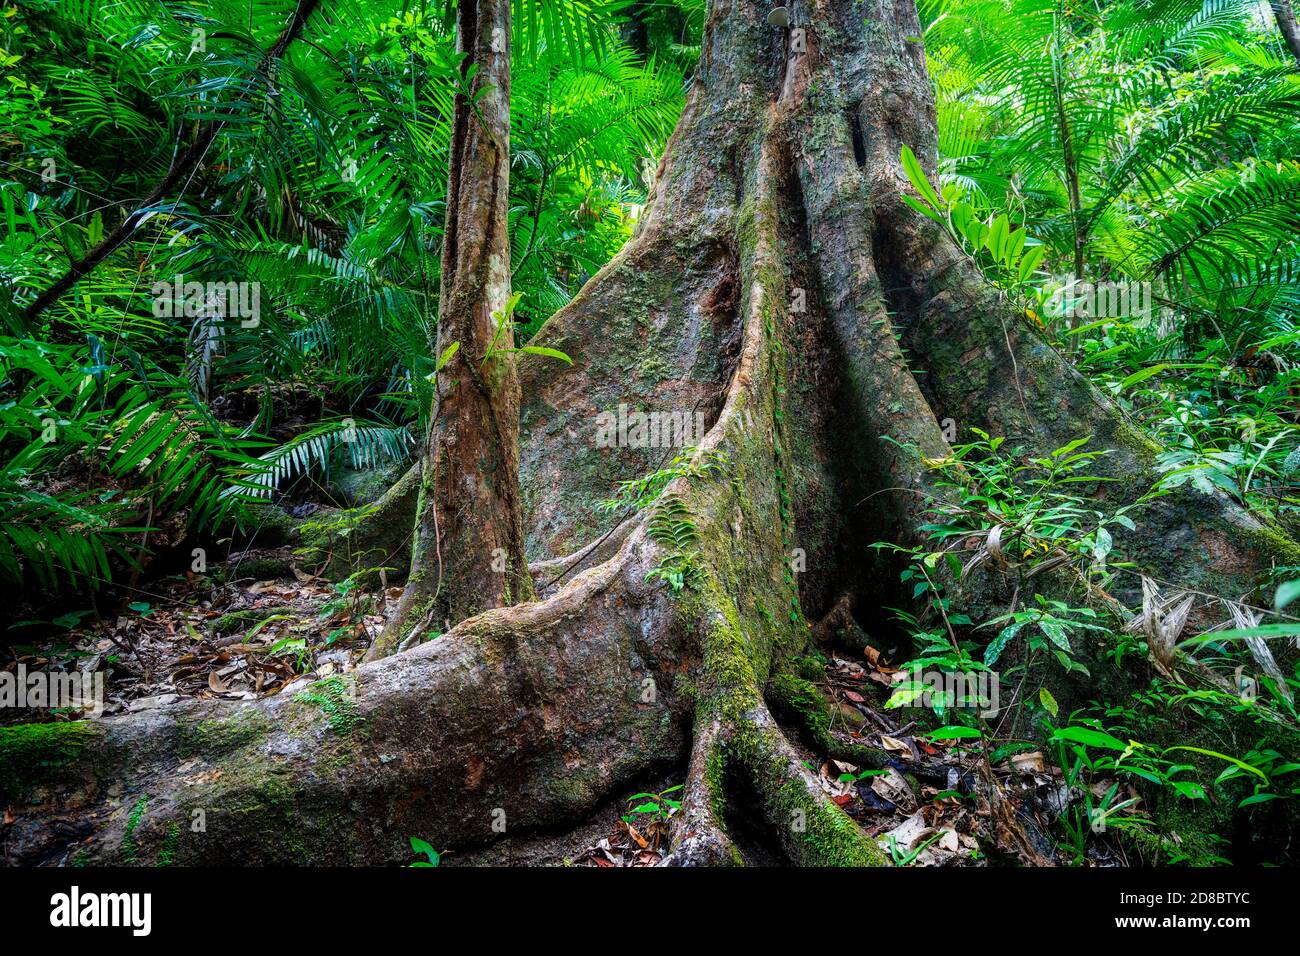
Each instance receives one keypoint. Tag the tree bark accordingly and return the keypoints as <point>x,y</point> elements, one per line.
<point>779,287</point>
<point>1284,13</point>
<point>468,553</point>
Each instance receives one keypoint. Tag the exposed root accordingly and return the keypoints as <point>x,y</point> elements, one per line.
<point>699,835</point>
<point>374,536</point>
<point>526,717</point>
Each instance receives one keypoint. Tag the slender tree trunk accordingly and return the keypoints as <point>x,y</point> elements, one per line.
<point>635,31</point>
<point>780,288</point>
<point>468,553</point>
<point>1284,13</point>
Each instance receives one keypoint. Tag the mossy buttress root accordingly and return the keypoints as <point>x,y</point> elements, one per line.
<point>742,766</point>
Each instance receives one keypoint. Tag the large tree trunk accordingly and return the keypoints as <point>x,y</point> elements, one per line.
<point>468,552</point>
<point>778,286</point>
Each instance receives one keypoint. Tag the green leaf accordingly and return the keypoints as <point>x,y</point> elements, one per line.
<point>1232,760</point>
<point>916,176</point>
<point>922,208</point>
<point>1048,701</point>
<point>549,353</point>
<point>1286,593</point>
<point>1055,632</point>
<point>1142,376</point>
<point>1236,634</point>
<point>1089,738</point>
<point>1258,798</point>
<point>997,237</point>
<point>1071,446</point>
<point>445,357</point>
<point>1014,246</point>
<point>995,649</point>
<point>954,732</point>
<point>1103,545</point>
<point>1188,789</point>
<point>420,846</point>
<point>1031,262</point>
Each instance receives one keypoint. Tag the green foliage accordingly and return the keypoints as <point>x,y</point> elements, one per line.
<point>335,701</point>
<point>673,526</point>
<point>94,455</point>
<point>644,491</point>
<point>1150,146</point>
<point>318,448</point>
<point>1048,626</point>
<point>431,856</point>
<point>1030,509</point>
<point>129,848</point>
<point>1025,516</point>
<point>652,806</point>
<point>323,190</point>
<point>1003,251</point>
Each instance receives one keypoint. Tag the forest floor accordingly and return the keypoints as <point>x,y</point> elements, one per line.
<point>247,629</point>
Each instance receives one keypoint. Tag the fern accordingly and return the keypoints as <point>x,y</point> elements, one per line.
<point>364,446</point>
<point>673,526</point>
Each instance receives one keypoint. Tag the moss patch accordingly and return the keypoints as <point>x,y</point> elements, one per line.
<point>34,755</point>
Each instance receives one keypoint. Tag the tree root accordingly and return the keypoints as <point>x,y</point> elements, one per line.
<point>520,718</point>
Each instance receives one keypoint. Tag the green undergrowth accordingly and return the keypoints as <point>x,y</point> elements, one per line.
<point>1197,769</point>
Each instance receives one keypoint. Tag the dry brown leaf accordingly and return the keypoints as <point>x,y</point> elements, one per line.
<point>894,745</point>
<point>1031,762</point>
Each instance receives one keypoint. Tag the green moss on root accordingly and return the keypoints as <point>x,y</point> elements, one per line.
<point>36,755</point>
<point>222,734</point>
<point>332,697</point>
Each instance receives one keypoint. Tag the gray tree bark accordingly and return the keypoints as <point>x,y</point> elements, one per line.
<point>1284,13</point>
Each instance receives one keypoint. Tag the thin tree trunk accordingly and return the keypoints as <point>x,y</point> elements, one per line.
<point>469,542</point>
<point>1284,13</point>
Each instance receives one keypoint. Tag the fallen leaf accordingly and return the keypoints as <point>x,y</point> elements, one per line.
<point>908,832</point>
<point>1031,762</point>
<point>892,787</point>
